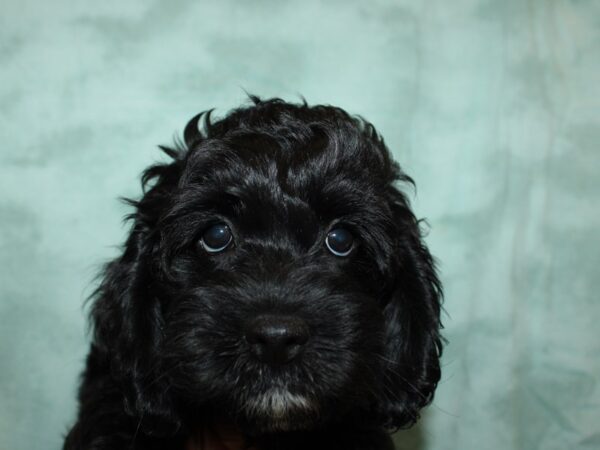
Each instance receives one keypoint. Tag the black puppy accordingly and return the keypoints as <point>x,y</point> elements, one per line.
<point>274,283</point>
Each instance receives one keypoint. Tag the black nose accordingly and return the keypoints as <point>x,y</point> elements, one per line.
<point>276,339</point>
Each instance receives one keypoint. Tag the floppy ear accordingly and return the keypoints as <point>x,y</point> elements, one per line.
<point>412,327</point>
<point>126,312</point>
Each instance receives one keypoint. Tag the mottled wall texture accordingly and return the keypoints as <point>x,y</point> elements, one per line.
<point>493,106</point>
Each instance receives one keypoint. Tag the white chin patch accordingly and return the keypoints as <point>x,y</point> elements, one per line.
<point>278,404</point>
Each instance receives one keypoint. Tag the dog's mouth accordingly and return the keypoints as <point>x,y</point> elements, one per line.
<point>279,409</point>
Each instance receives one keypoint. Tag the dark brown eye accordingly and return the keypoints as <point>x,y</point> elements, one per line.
<point>339,241</point>
<point>216,238</point>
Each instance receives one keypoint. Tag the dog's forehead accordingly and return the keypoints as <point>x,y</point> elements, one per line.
<point>283,178</point>
<point>296,163</point>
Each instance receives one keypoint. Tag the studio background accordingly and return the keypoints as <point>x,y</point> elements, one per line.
<point>491,106</point>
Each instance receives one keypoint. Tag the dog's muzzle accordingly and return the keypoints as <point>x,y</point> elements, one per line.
<point>276,339</point>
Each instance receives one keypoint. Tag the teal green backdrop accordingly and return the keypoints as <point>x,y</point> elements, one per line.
<point>492,106</point>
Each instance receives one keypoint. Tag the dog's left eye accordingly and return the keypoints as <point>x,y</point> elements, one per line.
<point>339,241</point>
<point>216,238</point>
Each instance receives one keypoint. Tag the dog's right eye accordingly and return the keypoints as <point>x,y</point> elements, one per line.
<point>216,238</point>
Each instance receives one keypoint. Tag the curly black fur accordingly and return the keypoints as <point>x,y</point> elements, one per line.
<point>168,354</point>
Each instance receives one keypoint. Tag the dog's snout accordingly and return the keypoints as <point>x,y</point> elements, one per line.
<point>276,339</point>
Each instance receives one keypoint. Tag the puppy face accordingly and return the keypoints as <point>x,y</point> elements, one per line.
<point>275,275</point>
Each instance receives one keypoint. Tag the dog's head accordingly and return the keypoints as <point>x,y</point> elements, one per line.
<point>276,275</point>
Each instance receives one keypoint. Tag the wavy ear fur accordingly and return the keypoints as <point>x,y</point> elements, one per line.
<point>126,312</point>
<point>412,313</point>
